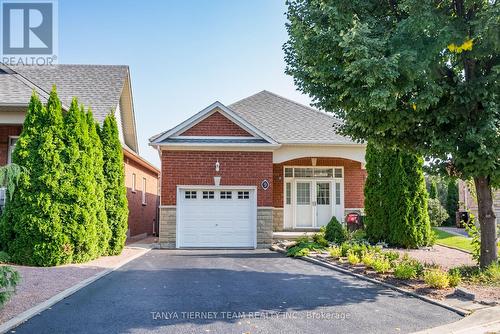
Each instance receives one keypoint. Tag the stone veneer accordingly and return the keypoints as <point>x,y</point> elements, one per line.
<point>278,219</point>
<point>264,227</point>
<point>168,228</point>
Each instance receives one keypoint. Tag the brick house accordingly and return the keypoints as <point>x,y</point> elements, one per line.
<point>231,175</point>
<point>104,89</point>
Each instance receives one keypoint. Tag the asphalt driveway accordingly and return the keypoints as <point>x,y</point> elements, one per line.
<point>228,291</point>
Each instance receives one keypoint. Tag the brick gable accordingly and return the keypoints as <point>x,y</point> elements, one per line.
<point>216,125</point>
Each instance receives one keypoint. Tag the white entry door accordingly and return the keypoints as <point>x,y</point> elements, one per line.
<point>214,218</point>
<point>303,204</point>
<point>323,202</point>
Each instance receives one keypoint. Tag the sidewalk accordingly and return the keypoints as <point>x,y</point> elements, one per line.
<point>41,287</point>
<point>454,230</point>
<point>482,321</point>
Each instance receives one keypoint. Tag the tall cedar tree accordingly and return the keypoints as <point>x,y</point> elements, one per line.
<point>114,190</point>
<point>96,152</point>
<point>396,198</point>
<point>32,229</point>
<point>417,75</point>
<point>376,216</point>
<point>79,209</point>
<point>452,200</point>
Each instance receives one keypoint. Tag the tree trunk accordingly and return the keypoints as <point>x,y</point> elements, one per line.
<point>487,221</point>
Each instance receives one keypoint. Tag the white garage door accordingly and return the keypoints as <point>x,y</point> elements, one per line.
<point>220,217</point>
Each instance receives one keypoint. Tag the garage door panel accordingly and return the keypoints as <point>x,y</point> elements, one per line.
<point>219,221</point>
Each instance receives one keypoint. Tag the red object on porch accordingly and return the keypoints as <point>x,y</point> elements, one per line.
<point>353,221</point>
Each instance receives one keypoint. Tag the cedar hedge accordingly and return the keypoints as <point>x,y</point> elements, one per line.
<point>57,213</point>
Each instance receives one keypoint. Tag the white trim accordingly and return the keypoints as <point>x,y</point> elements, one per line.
<point>214,107</point>
<point>213,137</point>
<point>218,146</point>
<point>167,206</point>
<point>12,117</point>
<point>291,152</point>
<point>143,194</point>
<point>209,187</point>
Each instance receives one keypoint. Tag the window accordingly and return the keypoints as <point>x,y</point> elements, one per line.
<point>337,193</point>
<point>190,195</point>
<point>303,193</point>
<point>143,191</point>
<point>303,172</point>
<point>288,172</point>
<point>323,172</point>
<point>226,194</point>
<point>323,193</point>
<point>208,195</point>
<point>133,183</point>
<point>243,194</point>
<point>338,172</point>
<point>288,195</point>
<point>12,145</point>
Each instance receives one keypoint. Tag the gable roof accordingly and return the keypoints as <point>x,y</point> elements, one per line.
<point>174,135</point>
<point>289,122</point>
<point>100,87</point>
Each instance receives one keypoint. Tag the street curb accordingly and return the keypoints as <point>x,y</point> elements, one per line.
<point>37,309</point>
<point>387,285</point>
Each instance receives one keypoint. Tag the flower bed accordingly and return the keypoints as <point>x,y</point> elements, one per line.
<point>399,268</point>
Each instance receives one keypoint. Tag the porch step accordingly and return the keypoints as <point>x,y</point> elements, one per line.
<point>291,235</point>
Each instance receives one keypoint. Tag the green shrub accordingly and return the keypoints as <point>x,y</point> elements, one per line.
<point>357,236</point>
<point>352,258</point>
<point>492,273</point>
<point>367,258</point>
<point>475,233</point>
<point>319,238</point>
<point>8,281</point>
<point>437,213</point>
<point>345,248</point>
<point>298,252</point>
<point>452,199</point>
<point>335,232</point>
<point>381,265</point>
<point>302,239</point>
<point>436,278</point>
<point>405,270</point>
<point>454,277</point>
<point>4,257</point>
<point>391,255</point>
<point>335,252</point>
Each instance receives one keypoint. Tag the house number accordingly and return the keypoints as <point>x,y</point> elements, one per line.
<point>265,184</point>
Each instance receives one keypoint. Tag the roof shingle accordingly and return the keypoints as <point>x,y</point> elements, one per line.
<point>287,121</point>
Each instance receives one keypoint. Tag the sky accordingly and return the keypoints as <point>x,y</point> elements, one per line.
<point>183,54</point>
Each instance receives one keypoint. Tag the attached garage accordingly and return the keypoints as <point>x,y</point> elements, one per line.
<point>216,217</point>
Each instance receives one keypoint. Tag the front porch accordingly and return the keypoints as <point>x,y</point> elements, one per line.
<point>310,191</point>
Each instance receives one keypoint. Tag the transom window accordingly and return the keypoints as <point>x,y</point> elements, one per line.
<point>226,194</point>
<point>243,194</point>
<point>208,195</point>
<point>190,195</point>
<point>306,172</point>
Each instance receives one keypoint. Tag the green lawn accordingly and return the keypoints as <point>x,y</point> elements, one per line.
<point>452,240</point>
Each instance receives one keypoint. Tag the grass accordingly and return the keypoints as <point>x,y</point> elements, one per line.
<point>452,240</point>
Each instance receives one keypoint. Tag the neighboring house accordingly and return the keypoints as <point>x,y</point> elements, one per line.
<point>468,200</point>
<point>230,175</point>
<point>104,89</point>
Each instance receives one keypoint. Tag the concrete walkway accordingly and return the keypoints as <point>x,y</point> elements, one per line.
<point>454,230</point>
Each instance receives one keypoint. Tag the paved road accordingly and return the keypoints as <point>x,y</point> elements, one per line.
<point>234,292</point>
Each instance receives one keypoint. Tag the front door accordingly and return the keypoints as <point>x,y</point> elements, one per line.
<point>323,203</point>
<point>303,206</point>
